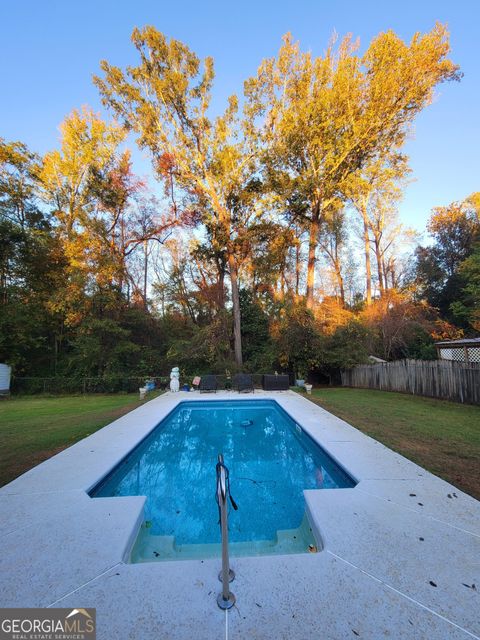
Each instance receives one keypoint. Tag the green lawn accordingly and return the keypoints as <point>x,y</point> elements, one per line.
<point>34,428</point>
<point>443,437</point>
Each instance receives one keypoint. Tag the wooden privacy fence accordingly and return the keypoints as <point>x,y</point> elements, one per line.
<point>457,381</point>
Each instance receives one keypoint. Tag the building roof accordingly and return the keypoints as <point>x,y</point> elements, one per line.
<point>375,359</point>
<point>464,342</point>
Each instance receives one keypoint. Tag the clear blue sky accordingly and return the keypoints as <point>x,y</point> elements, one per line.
<point>49,51</point>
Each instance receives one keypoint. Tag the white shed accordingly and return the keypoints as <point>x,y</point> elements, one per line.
<point>5,372</point>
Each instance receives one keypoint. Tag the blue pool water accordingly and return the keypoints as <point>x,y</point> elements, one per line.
<point>271,462</point>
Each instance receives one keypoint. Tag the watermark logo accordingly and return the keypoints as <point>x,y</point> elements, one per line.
<point>48,624</point>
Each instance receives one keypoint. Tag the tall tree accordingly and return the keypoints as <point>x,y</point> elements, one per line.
<point>31,263</point>
<point>324,118</point>
<point>374,193</point>
<point>166,100</point>
<point>114,189</point>
<point>456,231</point>
<point>66,183</point>
<point>88,144</point>
<point>18,184</point>
<point>466,308</point>
<point>332,240</point>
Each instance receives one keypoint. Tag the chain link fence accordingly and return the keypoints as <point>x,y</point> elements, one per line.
<point>60,385</point>
<point>109,384</point>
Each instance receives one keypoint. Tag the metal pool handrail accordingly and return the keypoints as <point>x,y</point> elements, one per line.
<point>226,598</point>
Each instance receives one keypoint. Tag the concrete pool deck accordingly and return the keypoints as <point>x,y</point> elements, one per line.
<point>401,555</point>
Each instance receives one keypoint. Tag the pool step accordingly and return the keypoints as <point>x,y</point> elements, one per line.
<point>151,548</point>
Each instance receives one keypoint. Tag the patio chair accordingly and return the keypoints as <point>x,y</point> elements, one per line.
<point>276,382</point>
<point>208,383</point>
<point>243,382</point>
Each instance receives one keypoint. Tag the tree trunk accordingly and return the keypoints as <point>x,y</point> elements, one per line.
<point>368,267</point>
<point>298,263</point>
<point>123,281</point>
<point>378,255</point>
<point>237,333</point>
<point>145,273</point>
<point>221,286</point>
<point>393,276</point>
<point>282,285</point>
<point>312,247</point>
<point>389,269</point>
<point>3,283</point>
<point>338,275</point>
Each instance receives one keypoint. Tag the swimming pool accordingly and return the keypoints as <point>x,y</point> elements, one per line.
<point>271,461</point>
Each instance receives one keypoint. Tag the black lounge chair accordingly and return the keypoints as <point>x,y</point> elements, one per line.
<point>208,383</point>
<point>275,382</point>
<point>243,383</point>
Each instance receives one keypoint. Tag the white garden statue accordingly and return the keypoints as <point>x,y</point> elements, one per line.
<point>174,380</point>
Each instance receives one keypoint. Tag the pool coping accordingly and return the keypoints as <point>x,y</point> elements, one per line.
<point>76,543</point>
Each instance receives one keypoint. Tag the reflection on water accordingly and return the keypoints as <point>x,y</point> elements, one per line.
<point>270,464</point>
